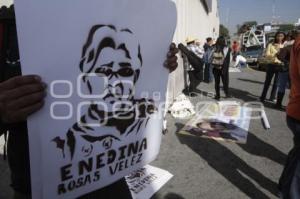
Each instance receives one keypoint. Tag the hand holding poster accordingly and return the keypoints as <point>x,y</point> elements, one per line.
<point>102,118</point>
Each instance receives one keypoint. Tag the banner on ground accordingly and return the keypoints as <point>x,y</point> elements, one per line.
<point>103,63</point>
<point>223,121</point>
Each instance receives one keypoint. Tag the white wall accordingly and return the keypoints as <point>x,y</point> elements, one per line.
<point>5,2</point>
<point>194,21</point>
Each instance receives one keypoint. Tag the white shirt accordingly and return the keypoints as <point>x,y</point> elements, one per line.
<point>198,50</point>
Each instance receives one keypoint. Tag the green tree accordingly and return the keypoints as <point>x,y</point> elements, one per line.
<point>251,23</point>
<point>286,27</point>
<point>224,31</point>
<point>246,26</point>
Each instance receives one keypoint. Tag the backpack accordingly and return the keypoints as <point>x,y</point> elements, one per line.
<point>218,58</point>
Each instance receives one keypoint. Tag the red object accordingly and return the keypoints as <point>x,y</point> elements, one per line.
<point>235,47</point>
<point>294,103</point>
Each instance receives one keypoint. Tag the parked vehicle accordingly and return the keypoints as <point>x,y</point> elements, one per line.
<point>252,54</point>
<point>253,37</point>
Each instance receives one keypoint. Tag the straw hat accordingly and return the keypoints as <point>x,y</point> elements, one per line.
<point>190,40</point>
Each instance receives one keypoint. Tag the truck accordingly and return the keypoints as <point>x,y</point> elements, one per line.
<point>253,43</point>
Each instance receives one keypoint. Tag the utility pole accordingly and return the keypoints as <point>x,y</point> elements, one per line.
<point>275,18</point>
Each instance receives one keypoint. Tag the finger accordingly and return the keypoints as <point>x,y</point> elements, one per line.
<point>172,59</point>
<point>173,52</point>
<point>171,66</point>
<point>172,46</point>
<point>26,101</point>
<point>25,112</point>
<point>19,81</point>
<point>25,90</point>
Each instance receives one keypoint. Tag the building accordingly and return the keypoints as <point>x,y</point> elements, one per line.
<point>196,18</point>
<point>5,3</point>
<point>297,23</point>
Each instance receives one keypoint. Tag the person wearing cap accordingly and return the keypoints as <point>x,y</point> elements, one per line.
<point>193,74</point>
<point>21,96</point>
<point>193,45</point>
<point>289,183</point>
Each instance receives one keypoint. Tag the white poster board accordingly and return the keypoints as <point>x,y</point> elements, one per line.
<point>103,63</point>
<point>145,182</point>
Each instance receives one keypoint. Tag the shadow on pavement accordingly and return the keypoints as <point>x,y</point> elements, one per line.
<point>257,147</point>
<point>251,81</point>
<point>234,169</point>
<point>168,196</point>
<point>235,93</point>
<point>173,196</point>
<point>243,95</point>
<point>248,97</point>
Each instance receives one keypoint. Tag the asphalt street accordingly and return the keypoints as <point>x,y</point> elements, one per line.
<point>209,169</point>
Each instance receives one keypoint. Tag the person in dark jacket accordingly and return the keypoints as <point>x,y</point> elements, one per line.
<point>21,96</point>
<point>221,58</point>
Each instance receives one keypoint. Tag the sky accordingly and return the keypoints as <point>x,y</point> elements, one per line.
<point>234,12</point>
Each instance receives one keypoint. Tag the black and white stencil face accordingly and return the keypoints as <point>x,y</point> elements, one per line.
<point>116,62</point>
<point>114,57</point>
<point>119,74</point>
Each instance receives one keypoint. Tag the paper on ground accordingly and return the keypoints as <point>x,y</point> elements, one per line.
<point>145,182</point>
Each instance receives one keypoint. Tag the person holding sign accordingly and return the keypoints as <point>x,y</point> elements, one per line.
<point>21,96</point>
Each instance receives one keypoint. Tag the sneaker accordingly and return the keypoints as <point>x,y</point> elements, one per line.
<point>193,95</point>
<point>261,100</point>
<point>217,98</point>
<point>278,107</point>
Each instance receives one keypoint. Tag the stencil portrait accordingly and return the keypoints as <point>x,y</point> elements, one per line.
<point>113,56</point>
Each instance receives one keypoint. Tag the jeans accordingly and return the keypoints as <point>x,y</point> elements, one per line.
<point>283,80</point>
<point>194,80</point>
<point>289,183</point>
<point>224,75</point>
<point>271,72</point>
<point>211,74</point>
<point>208,73</point>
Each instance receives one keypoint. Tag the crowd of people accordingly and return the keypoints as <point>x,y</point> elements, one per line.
<point>283,58</point>
<point>216,58</point>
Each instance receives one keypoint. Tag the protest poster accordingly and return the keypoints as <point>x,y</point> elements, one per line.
<point>103,63</point>
<point>222,121</point>
<point>145,182</point>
